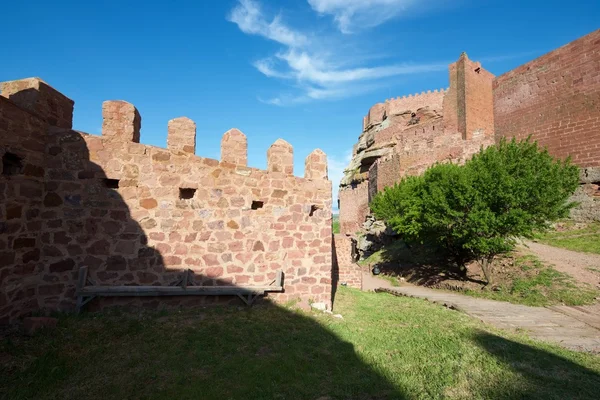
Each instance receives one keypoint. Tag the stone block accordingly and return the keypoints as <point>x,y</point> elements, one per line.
<point>182,135</point>
<point>280,157</point>
<point>234,148</point>
<point>121,121</point>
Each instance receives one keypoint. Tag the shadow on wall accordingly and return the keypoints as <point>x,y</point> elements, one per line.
<point>538,374</point>
<point>89,223</point>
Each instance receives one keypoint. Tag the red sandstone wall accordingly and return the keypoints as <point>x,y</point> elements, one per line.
<point>348,272</point>
<point>388,173</point>
<point>21,210</point>
<point>142,232</point>
<point>556,99</point>
<point>451,126</point>
<point>433,100</point>
<point>354,207</point>
<point>424,145</point>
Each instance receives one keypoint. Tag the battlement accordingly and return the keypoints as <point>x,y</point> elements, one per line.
<point>422,94</point>
<point>136,214</point>
<point>122,124</point>
<point>39,98</point>
<point>407,103</point>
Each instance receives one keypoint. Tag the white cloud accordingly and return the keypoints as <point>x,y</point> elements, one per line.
<point>353,15</point>
<point>311,68</point>
<point>250,19</point>
<point>317,69</point>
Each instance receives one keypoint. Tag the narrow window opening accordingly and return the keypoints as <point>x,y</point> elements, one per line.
<point>433,128</point>
<point>186,193</point>
<point>111,183</point>
<point>313,209</point>
<point>12,164</point>
<point>257,204</point>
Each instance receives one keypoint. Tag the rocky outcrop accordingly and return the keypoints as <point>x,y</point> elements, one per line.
<point>372,146</point>
<point>375,235</point>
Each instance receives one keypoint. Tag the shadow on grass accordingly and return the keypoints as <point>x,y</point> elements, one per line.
<point>419,264</point>
<point>264,352</point>
<point>540,374</point>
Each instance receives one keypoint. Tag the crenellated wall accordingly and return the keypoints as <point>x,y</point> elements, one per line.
<point>139,215</point>
<point>395,106</point>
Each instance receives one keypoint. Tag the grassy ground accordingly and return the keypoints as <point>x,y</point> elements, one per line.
<point>586,239</point>
<point>336,223</point>
<point>385,348</point>
<point>532,283</point>
<point>518,279</point>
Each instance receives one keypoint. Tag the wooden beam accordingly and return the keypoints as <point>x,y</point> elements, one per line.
<point>175,290</point>
<point>81,280</point>
<point>186,277</point>
<point>279,279</point>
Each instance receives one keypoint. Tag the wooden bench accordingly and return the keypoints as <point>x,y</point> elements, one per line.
<point>87,290</point>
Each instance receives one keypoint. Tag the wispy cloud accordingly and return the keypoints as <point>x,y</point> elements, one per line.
<point>249,18</point>
<point>315,70</point>
<point>354,15</point>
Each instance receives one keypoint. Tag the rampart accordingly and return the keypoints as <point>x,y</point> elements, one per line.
<point>139,215</point>
<point>556,100</point>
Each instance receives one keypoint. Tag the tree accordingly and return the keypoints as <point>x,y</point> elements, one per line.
<point>479,210</point>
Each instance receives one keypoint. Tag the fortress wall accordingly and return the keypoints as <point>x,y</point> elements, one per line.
<point>140,215</point>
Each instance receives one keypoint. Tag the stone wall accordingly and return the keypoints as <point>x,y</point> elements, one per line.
<point>139,215</point>
<point>21,207</point>
<point>354,207</point>
<point>555,99</point>
<point>407,135</point>
<point>347,271</point>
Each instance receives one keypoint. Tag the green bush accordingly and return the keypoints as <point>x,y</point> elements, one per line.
<point>478,210</point>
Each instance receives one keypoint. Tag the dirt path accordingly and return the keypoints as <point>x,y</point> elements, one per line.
<point>539,322</point>
<point>584,267</point>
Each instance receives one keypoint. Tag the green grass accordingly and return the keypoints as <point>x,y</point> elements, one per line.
<point>527,282</point>
<point>386,347</point>
<point>539,285</point>
<point>586,239</point>
<point>336,223</point>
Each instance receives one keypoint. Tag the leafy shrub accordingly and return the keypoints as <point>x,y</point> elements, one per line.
<point>478,210</point>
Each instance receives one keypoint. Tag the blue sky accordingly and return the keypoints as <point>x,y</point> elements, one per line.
<point>303,70</point>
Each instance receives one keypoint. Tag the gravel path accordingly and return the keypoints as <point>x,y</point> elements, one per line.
<point>584,267</point>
